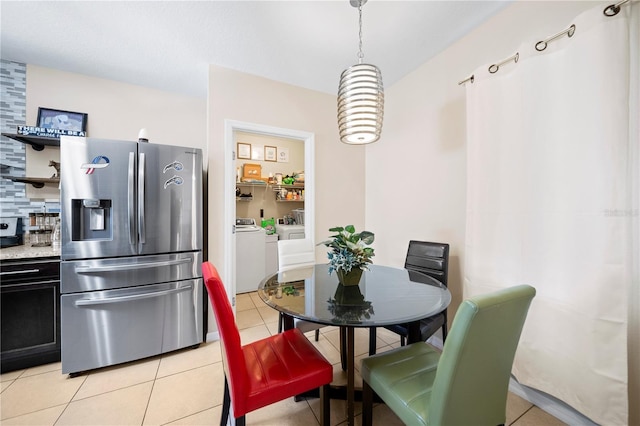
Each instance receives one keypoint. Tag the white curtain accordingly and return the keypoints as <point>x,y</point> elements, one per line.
<point>552,202</point>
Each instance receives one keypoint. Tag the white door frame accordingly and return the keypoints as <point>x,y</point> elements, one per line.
<point>231,126</point>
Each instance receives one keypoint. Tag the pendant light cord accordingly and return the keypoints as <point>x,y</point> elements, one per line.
<point>360,54</point>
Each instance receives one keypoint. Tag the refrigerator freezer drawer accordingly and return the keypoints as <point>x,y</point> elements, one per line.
<point>103,328</point>
<point>107,274</point>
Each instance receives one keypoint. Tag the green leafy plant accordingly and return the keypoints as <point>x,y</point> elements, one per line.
<point>349,249</point>
<point>289,290</point>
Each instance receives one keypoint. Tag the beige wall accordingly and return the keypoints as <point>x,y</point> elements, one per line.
<point>264,197</point>
<point>115,111</point>
<point>416,174</point>
<point>339,169</point>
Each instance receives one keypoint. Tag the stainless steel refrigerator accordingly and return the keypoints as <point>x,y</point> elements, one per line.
<point>131,254</point>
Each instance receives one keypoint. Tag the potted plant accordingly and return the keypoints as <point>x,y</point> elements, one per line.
<point>349,254</point>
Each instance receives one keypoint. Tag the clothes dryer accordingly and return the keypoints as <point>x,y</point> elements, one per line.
<point>290,232</point>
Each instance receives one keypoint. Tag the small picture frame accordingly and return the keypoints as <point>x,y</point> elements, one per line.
<point>244,150</point>
<point>270,153</point>
<point>62,120</point>
<point>283,155</point>
<point>257,152</point>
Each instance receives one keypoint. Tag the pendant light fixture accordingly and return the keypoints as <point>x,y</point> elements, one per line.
<point>360,98</point>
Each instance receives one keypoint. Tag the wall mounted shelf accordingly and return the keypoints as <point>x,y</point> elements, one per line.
<point>37,142</point>
<point>35,182</point>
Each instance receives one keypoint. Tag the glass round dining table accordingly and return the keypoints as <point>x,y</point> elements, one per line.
<point>385,296</point>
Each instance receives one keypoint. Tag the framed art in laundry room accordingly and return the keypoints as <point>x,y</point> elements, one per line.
<point>244,150</point>
<point>270,153</point>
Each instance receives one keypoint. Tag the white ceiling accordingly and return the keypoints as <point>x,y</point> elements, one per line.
<point>169,44</point>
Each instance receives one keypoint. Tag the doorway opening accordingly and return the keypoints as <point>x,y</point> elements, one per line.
<point>261,136</point>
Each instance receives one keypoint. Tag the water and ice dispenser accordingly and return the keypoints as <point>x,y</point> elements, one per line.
<point>91,219</point>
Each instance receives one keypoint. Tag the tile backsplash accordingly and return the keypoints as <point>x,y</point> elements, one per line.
<point>13,199</point>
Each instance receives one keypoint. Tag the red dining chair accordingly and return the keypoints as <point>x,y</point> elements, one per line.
<point>267,371</point>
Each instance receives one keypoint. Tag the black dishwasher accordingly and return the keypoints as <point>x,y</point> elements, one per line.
<point>30,315</point>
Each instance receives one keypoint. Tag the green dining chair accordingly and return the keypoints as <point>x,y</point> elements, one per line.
<point>465,385</point>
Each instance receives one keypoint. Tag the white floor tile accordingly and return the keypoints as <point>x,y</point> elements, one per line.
<point>11,375</point>
<point>118,377</point>
<point>45,417</point>
<point>185,387</point>
<point>187,359</point>
<point>177,396</point>
<point>99,409</point>
<point>34,393</point>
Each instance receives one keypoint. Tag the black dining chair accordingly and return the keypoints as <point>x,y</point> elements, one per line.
<point>431,259</point>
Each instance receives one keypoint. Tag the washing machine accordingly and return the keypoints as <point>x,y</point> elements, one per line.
<point>290,232</point>
<point>250,255</point>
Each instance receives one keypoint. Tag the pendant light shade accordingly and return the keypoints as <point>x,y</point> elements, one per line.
<point>360,104</point>
<point>360,98</point>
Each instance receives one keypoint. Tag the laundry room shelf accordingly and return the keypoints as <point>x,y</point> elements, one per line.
<point>277,187</point>
<point>252,184</point>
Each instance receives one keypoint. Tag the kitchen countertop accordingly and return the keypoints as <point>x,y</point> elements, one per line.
<point>25,251</point>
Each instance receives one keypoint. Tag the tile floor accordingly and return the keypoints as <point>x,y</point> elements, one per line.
<point>186,387</point>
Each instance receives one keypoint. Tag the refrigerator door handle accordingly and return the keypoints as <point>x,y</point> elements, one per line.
<point>130,266</point>
<point>141,209</point>
<point>132,297</point>
<point>131,199</point>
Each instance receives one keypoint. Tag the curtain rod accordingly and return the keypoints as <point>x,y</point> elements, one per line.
<point>611,10</point>
<point>569,32</point>
<point>495,67</point>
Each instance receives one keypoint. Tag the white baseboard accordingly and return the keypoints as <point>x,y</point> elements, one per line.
<point>213,336</point>
<point>550,404</point>
<point>436,340</point>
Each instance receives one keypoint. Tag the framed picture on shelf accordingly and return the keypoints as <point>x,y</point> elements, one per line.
<point>252,171</point>
<point>270,153</point>
<point>62,120</point>
<point>244,150</point>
